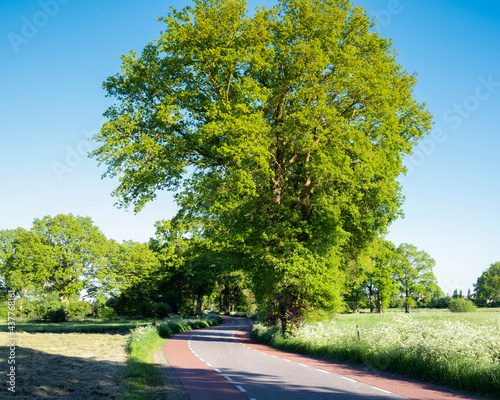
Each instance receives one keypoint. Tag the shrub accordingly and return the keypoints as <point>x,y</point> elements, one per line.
<point>56,315</point>
<point>396,302</point>
<point>32,309</point>
<point>462,305</point>
<point>4,309</point>
<point>165,331</point>
<point>53,309</point>
<point>441,302</point>
<point>79,309</point>
<point>162,310</point>
<point>107,313</point>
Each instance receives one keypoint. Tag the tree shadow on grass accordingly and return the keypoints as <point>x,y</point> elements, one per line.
<point>40,375</point>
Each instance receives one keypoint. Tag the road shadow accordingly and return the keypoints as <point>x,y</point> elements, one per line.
<point>266,387</point>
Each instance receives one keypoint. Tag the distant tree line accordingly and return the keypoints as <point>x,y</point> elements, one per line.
<point>181,271</point>
<point>64,256</point>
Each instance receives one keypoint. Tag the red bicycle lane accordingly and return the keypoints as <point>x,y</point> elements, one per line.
<point>200,381</point>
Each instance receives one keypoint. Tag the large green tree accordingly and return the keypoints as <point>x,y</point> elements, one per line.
<point>380,280</point>
<point>132,275</point>
<point>487,287</point>
<point>129,264</point>
<point>285,127</point>
<point>414,271</point>
<point>77,250</point>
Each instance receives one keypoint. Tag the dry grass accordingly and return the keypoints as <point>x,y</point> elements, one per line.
<point>67,366</point>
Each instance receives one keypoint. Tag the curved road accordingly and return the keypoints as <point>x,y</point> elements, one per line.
<point>224,363</point>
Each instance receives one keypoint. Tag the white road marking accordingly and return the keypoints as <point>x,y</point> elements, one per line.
<point>382,390</point>
<point>208,364</point>
<point>322,370</point>
<point>217,370</point>
<point>286,360</point>
<point>241,389</point>
<point>303,365</point>
<point>348,379</point>
<point>228,378</point>
<point>201,359</point>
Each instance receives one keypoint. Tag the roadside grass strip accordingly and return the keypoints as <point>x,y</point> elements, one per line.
<point>462,355</point>
<point>143,376</point>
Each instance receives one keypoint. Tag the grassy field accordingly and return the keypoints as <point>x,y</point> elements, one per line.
<point>460,350</point>
<point>75,365</point>
<point>94,359</point>
<point>119,325</point>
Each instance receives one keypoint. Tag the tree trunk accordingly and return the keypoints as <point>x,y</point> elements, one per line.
<point>407,306</point>
<point>285,321</point>
<point>199,302</point>
<point>227,298</point>
<point>370,293</point>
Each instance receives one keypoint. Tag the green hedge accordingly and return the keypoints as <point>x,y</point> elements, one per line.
<point>175,324</point>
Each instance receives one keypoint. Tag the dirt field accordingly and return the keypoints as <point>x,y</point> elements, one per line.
<point>65,366</point>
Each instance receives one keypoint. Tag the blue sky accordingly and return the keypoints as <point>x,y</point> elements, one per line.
<point>56,53</point>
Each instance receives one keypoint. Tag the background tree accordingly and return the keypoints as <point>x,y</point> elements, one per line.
<point>77,250</point>
<point>374,283</point>
<point>28,267</point>
<point>293,121</point>
<point>487,287</point>
<point>232,291</point>
<point>356,295</point>
<point>171,244</point>
<point>133,272</point>
<point>414,272</point>
<point>381,278</point>
<point>7,237</point>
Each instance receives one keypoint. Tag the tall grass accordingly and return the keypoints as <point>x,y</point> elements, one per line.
<point>176,324</point>
<point>142,374</point>
<point>461,354</point>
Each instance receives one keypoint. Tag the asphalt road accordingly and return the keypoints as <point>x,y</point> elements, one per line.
<point>262,376</point>
<point>223,363</point>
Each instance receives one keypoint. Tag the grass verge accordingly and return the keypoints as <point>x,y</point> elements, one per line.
<point>144,379</point>
<point>142,375</point>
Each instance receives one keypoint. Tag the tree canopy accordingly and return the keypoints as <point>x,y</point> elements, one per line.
<point>60,253</point>
<point>487,287</point>
<point>414,272</point>
<point>285,128</point>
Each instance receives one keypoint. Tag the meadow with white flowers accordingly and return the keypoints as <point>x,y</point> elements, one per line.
<point>462,352</point>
